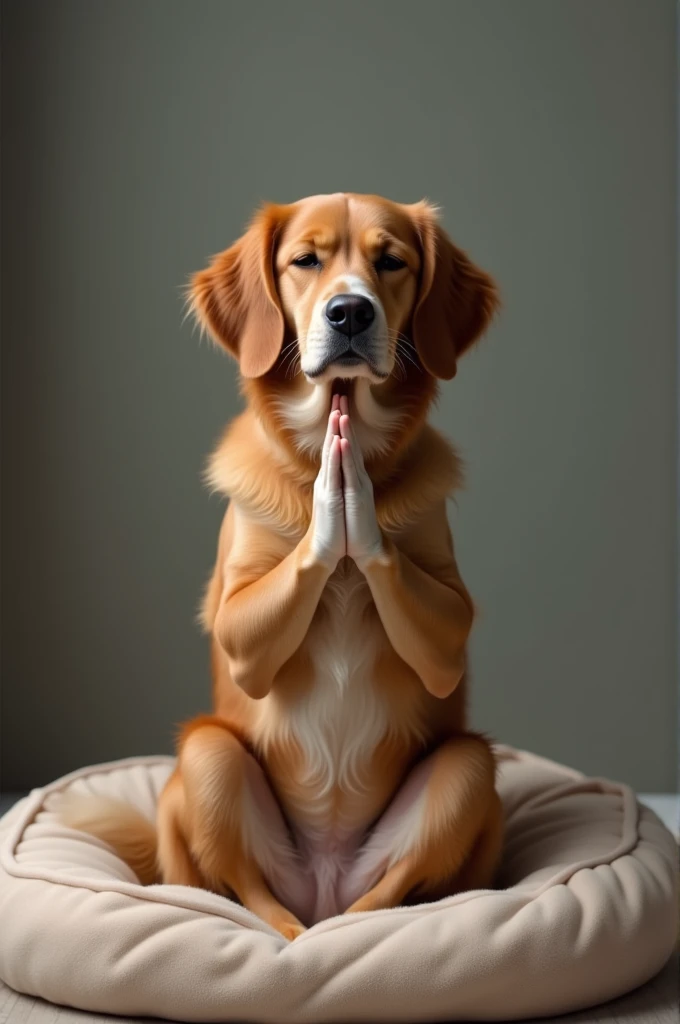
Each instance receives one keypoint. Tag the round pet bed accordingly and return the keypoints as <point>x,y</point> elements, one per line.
<point>586,912</point>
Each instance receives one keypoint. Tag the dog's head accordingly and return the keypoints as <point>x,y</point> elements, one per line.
<point>355,283</point>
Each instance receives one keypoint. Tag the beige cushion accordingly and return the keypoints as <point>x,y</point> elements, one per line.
<point>587,912</point>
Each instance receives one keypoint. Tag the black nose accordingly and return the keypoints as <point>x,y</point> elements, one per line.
<point>350,314</point>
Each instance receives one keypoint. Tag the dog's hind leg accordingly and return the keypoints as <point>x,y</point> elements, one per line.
<point>175,861</point>
<point>441,833</point>
<point>221,827</point>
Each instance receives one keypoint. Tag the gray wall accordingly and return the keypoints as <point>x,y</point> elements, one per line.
<point>137,138</point>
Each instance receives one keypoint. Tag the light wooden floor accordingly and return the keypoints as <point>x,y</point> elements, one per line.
<point>657,1002</point>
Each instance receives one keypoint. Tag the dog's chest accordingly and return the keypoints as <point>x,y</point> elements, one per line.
<point>341,718</point>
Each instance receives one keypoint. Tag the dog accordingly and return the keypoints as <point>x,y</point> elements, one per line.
<point>337,772</point>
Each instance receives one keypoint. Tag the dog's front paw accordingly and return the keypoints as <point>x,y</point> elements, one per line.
<point>364,536</point>
<point>328,537</point>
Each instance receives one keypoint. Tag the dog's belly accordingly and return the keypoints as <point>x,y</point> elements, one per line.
<point>333,788</point>
<point>331,868</point>
<point>325,862</point>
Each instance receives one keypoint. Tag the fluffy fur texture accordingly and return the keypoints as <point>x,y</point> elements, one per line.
<point>336,772</point>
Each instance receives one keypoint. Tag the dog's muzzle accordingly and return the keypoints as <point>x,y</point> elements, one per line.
<point>350,314</point>
<point>350,341</point>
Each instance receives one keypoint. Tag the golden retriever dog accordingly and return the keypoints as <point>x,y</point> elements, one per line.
<point>336,773</point>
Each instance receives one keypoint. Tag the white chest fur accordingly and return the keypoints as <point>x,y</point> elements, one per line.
<point>343,719</point>
<point>339,721</point>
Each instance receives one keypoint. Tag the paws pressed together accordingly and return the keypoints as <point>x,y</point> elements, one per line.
<point>337,771</point>
<point>344,517</point>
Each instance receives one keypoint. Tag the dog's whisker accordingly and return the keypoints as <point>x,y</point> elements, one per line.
<point>399,371</point>
<point>399,364</point>
<point>411,360</point>
<point>401,341</point>
<point>287,363</point>
<point>291,344</point>
<point>291,353</point>
<point>293,369</point>
<point>401,338</point>
<point>287,359</point>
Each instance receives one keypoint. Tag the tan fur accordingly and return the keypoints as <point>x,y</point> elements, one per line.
<point>131,835</point>
<point>332,691</point>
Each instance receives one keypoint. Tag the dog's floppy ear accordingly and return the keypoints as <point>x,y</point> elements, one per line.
<point>235,298</point>
<point>456,299</point>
